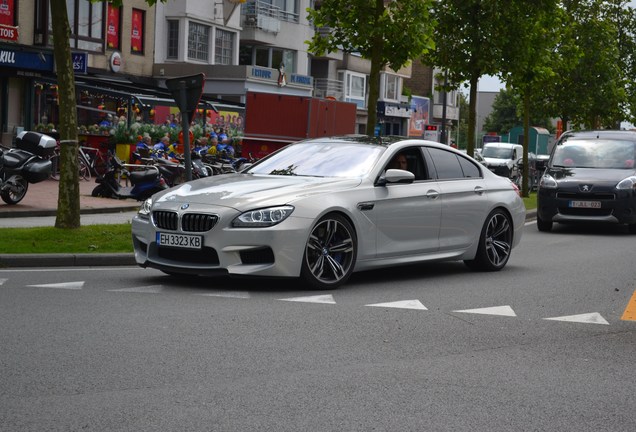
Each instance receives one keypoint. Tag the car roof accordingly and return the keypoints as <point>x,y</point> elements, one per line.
<point>384,141</point>
<point>604,133</point>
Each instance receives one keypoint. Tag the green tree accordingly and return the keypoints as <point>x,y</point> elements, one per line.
<point>507,112</point>
<point>386,33</point>
<point>528,40</point>
<point>466,45</point>
<point>68,205</point>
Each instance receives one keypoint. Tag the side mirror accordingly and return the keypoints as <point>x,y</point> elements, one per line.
<point>398,176</point>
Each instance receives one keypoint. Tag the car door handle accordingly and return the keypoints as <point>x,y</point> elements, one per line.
<point>432,194</point>
<point>479,190</point>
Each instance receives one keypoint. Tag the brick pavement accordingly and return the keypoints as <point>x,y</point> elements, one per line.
<point>41,200</point>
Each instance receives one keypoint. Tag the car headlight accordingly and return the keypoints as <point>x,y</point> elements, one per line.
<point>262,217</point>
<point>548,182</point>
<point>144,210</point>
<point>626,184</point>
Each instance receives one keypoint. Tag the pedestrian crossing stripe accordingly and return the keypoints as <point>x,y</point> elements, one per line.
<point>630,311</point>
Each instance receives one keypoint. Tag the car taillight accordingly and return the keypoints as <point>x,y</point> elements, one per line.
<point>516,188</point>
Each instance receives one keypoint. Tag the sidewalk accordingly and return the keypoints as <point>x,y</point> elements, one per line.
<point>41,200</point>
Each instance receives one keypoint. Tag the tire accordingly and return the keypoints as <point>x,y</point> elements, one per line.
<point>101,191</point>
<point>631,228</point>
<point>330,253</point>
<point>495,243</point>
<point>543,225</point>
<point>84,170</point>
<point>16,191</point>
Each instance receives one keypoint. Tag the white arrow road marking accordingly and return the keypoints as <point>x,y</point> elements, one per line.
<point>150,289</point>
<point>228,294</point>
<point>3,281</point>
<point>496,310</point>
<point>327,299</point>
<point>588,318</point>
<point>403,304</point>
<point>63,285</point>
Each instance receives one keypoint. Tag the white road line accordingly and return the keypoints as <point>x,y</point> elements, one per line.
<point>63,285</point>
<point>496,310</point>
<point>326,299</point>
<point>150,289</point>
<point>228,294</point>
<point>588,318</point>
<point>402,304</point>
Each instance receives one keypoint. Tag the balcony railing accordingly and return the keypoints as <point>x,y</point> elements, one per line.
<point>324,87</point>
<point>266,17</point>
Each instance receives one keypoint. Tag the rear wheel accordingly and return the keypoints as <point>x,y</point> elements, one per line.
<point>495,243</point>
<point>330,253</point>
<point>15,190</point>
<point>84,170</point>
<point>101,191</point>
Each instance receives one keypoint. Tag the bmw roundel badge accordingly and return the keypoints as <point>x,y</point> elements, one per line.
<point>184,206</point>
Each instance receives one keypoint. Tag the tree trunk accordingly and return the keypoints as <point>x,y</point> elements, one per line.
<point>374,75</point>
<point>68,204</point>
<point>472,116</point>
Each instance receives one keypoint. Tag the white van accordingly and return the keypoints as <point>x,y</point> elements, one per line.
<point>500,158</point>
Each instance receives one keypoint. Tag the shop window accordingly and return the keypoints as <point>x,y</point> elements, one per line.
<point>113,27</point>
<point>173,39</point>
<point>137,31</point>
<point>268,57</point>
<point>198,41</point>
<point>224,47</point>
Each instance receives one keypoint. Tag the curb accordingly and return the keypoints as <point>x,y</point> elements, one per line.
<point>53,212</point>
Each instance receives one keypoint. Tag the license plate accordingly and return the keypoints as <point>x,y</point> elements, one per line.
<point>585,204</point>
<point>184,241</point>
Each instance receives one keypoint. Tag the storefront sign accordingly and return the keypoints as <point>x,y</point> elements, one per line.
<point>9,33</point>
<point>397,111</point>
<point>303,80</point>
<point>137,31</point>
<point>39,61</point>
<point>115,61</point>
<point>262,73</point>
<point>80,61</point>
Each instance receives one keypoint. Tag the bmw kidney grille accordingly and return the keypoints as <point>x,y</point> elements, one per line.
<point>191,222</point>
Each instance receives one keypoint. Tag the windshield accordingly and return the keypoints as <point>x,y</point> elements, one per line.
<point>497,152</point>
<point>597,153</point>
<point>321,159</point>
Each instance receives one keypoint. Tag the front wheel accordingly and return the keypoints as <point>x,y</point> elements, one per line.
<point>543,225</point>
<point>330,253</point>
<point>495,243</point>
<point>14,190</point>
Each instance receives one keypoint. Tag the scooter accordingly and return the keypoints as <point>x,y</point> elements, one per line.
<point>24,164</point>
<point>146,180</point>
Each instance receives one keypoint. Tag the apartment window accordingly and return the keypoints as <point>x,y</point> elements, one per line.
<point>137,31</point>
<point>355,86</point>
<point>267,57</point>
<point>198,41</point>
<point>86,21</point>
<point>391,87</point>
<point>173,39</point>
<point>224,45</point>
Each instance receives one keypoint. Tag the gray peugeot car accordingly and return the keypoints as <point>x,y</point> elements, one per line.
<point>590,177</point>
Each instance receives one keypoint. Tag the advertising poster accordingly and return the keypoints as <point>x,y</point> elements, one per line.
<point>419,117</point>
<point>137,30</point>
<point>7,12</point>
<point>112,32</point>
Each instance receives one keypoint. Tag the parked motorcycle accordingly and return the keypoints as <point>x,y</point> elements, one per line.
<point>146,180</point>
<point>24,164</point>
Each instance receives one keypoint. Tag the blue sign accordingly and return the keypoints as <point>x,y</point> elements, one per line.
<point>39,61</point>
<point>80,62</point>
<point>301,79</point>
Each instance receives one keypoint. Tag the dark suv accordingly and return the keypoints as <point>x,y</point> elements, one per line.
<point>590,177</point>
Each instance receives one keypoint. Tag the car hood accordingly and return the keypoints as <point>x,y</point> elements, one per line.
<point>496,161</point>
<point>244,191</point>
<point>588,175</point>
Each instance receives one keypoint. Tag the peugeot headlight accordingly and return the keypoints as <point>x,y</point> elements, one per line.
<point>626,184</point>
<point>262,217</point>
<point>144,210</point>
<point>548,182</point>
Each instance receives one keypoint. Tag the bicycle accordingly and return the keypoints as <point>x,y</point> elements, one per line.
<point>92,162</point>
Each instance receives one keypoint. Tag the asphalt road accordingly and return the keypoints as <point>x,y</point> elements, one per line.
<point>540,346</point>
